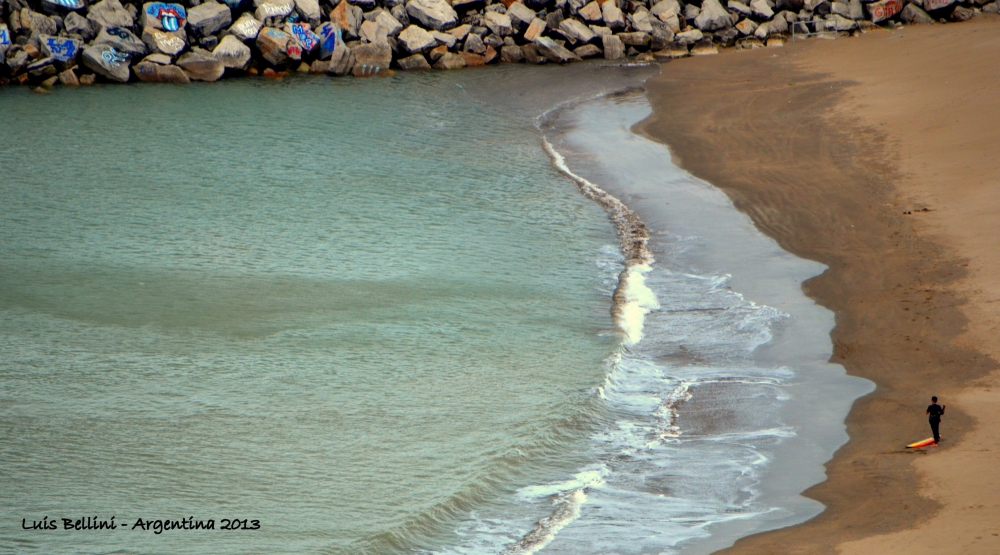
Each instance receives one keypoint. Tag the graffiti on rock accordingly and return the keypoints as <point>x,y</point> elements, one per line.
<point>168,42</point>
<point>307,38</point>
<point>171,16</point>
<point>329,38</point>
<point>119,32</point>
<point>62,49</point>
<point>4,36</point>
<point>71,4</point>
<point>114,57</point>
<point>272,10</point>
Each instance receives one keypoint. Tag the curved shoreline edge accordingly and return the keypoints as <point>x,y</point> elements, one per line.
<point>640,171</point>
<point>788,146</point>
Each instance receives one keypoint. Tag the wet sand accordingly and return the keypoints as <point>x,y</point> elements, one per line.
<point>877,157</point>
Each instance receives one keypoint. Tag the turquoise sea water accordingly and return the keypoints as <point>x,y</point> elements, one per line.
<point>356,311</point>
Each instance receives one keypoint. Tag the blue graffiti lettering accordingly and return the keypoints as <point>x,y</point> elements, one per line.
<point>119,32</point>
<point>63,50</point>
<point>308,39</point>
<point>114,57</point>
<point>4,36</point>
<point>330,34</point>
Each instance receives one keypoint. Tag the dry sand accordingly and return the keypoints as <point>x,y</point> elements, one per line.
<point>835,148</point>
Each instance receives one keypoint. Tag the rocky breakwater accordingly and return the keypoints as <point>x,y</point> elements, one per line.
<point>75,42</point>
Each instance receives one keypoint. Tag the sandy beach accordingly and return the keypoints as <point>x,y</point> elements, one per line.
<point>875,156</point>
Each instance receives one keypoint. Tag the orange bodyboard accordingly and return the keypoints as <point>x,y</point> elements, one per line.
<point>920,444</point>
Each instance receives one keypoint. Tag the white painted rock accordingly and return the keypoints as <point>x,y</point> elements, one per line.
<point>246,27</point>
<point>164,42</point>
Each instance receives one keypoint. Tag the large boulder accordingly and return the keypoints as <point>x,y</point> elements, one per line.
<point>388,25</point>
<point>276,46</point>
<point>643,39</point>
<point>62,49</point>
<point>747,26</point>
<point>713,16</point>
<point>416,40</point>
<point>761,9</point>
<point>641,20</point>
<point>208,18</point>
<point>855,9</point>
<point>348,18</point>
<point>151,72</point>
<point>246,27</point>
<point>110,13</point>
<point>201,65</point>
<point>614,48</point>
<point>371,59</point>
<point>665,9</point>
<point>553,52</point>
<point>450,60</point>
<point>162,16</point>
<point>688,37</point>
<point>104,60</point>
<point>520,16</point>
<point>341,61</point>
<point>370,31</point>
<point>575,31</point>
<point>122,40</point>
<point>76,24</point>
<point>511,54</point>
<point>613,16</point>
<point>448,40</point>
<point>232,53</point>
<point>535,29</point>
<point>309,11</point>
<point>414,63</point>
<point>329,39</point>
<point>961,13</point>
<point>306,38</point>
<point>591,13</point>
<point>474,43</point>
<point>34,22</point>
<point>69,78</point>
<point>432,14</point>
<point>164,42</point>
<point>499,24</point>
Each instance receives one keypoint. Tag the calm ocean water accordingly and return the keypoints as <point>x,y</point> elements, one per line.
<point>372,315</point>
<point>353,310</point>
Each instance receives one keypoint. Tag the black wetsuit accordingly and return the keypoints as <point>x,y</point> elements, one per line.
<point>935,411</point>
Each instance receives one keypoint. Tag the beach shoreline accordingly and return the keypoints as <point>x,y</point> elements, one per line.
<point>835,149</point>
<point>770,408</point>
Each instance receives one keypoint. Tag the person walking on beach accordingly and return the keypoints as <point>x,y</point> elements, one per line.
<point>934,413</point>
